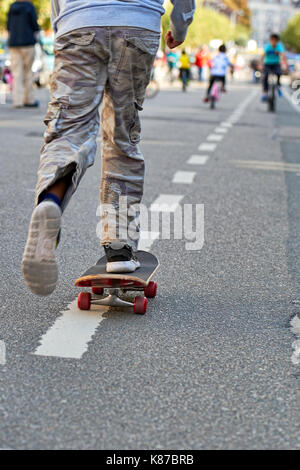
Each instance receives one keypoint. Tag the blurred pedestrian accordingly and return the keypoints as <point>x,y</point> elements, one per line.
<point>23,32</point>
<point>172,59</point>
<point>185,69</point>
<point>201,60</point>
<point>199,63</point>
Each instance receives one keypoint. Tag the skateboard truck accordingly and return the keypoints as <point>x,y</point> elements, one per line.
<point>113,300</point>
<point>85,299</point>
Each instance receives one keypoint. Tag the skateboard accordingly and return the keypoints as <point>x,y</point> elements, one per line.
<point>117,283</point>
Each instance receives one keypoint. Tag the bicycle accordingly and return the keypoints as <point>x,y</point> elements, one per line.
<point>215,93</point>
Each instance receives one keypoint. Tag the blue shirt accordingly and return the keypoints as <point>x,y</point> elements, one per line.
<point>272,54</point>
<point>220,64</point>
<point>68,15</point>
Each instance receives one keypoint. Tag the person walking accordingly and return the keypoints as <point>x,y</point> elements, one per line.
<point>102,50</point>
<point>185,69</point>
<point>23,31</point>
<point>199,62</point>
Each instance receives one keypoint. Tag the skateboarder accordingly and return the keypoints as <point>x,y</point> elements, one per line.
<point>102,50</point>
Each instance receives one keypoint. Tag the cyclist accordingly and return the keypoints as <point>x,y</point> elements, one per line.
<point>219,66</point>
<point>270,62</point>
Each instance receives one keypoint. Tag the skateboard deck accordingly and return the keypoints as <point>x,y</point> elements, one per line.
<point>98,279</point>
<point>97,275</point>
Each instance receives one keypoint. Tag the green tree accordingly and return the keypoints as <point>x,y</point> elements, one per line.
<point>4,6</point>
<point>291,35</point>
<point>42,6</point>
<point>235,5</point>
<point>207,25</point>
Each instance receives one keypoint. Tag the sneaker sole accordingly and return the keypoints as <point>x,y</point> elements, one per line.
<point>39,266</point>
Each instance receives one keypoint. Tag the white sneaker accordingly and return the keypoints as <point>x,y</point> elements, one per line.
<point>120,258</point>
<point>39,266</point>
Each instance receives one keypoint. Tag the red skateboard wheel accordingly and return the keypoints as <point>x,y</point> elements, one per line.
<point>84,301</point>
<point>151,290</point>
<point>140,305</point>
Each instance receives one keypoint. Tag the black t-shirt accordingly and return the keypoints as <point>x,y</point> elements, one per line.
<point>22,24</point>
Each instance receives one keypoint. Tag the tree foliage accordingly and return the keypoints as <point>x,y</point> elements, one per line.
<point>208,25</point>
<point>42,6</point>
<point>242,5</point>
<point>291,35</point>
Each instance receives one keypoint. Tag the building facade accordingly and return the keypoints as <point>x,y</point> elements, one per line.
<point>270,16</point>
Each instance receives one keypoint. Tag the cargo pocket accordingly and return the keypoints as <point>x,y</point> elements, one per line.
<point>137,56</point>
<point>51,120</point>
<point>148,45</point>
<point>77,38</point>
<point>135,128</point>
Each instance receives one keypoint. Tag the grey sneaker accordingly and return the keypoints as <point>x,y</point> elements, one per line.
<point>120,258</point>
<point>39,266</point>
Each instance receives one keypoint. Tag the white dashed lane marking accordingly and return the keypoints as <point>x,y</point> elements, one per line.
<point>221,130</point>
<point>198,159</point>
<point>166,203</point>
<point>184,177</point>
<point>295,325</point>
<point>215,138</point>
<point>71,333</point>
<point>207,147</point>
<point>2,353</point>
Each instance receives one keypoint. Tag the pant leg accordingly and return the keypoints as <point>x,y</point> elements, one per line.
<point>133,52</point>
<point>211,82</point>
<point>266,78</point>
<point>17,71</point>
<point>277,71</point>
<point>28,58</point>
<point>72,120</point>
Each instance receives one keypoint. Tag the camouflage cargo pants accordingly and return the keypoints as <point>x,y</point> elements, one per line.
<point>92,63</point>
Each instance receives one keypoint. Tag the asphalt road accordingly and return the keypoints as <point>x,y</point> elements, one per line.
<point>210,365</point>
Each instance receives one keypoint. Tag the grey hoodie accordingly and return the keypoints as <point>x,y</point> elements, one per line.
<point>68,15</point>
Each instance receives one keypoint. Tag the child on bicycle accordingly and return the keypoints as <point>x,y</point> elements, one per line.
<point>270,62</point>
<point>219,66</point>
